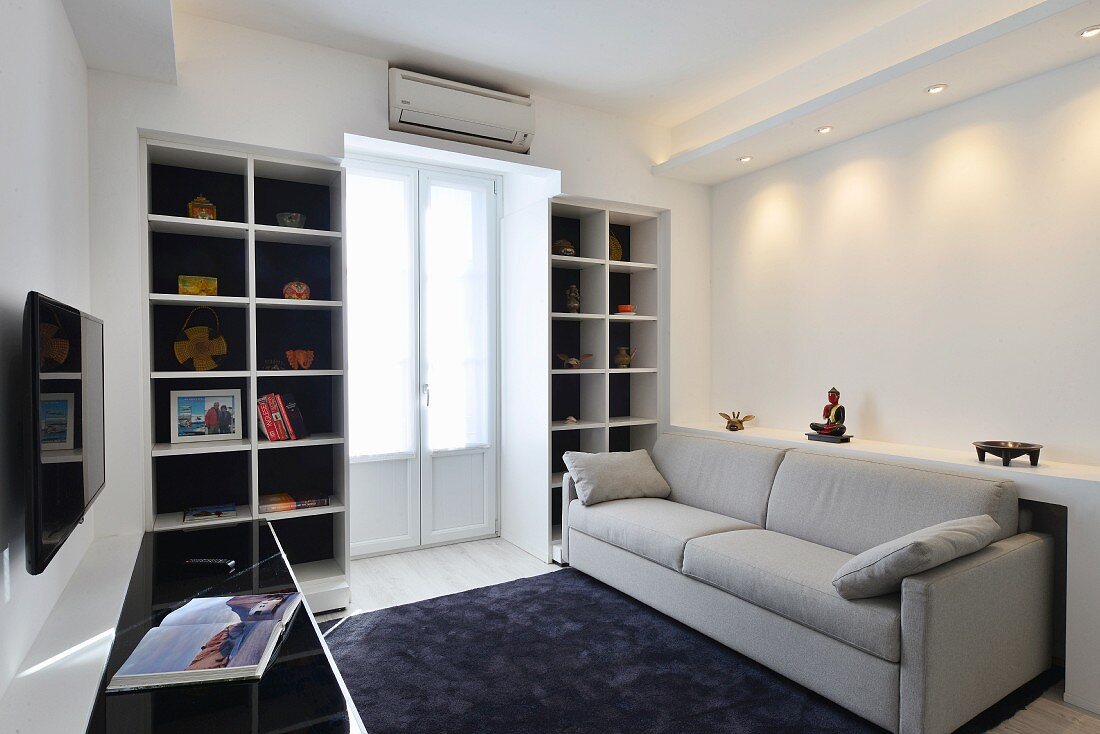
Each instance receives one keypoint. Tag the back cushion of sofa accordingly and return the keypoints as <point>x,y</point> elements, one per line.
<point>855,504</point>
<point>729,478</point>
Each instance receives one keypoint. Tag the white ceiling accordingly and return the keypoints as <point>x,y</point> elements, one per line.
<point>664,61</point>
<point>125,36</point>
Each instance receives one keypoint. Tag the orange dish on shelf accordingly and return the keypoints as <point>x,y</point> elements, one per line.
<point>627,308</point>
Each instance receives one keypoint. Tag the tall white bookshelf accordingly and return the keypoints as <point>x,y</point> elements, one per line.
<point>549,408</point>
<point>253,257</point>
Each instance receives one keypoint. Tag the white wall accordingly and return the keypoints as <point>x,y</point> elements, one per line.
<point>250,87</point>
<point>942,272</point>
<point>44,210</point>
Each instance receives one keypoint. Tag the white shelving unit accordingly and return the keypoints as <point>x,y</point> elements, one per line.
<point>252,258</point>
<point>615,409</point>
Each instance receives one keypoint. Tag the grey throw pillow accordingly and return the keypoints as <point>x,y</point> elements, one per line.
<point>881,569</point>
<point>618,475</point>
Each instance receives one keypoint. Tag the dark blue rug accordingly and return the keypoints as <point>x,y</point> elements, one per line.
<point>563,652</point>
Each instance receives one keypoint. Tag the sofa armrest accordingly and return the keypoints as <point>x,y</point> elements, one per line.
<point>568,494</point>
<point>973,630</point>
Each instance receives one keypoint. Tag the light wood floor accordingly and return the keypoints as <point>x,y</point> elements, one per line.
<point>403,578</point>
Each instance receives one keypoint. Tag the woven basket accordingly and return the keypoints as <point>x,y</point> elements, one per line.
<point>53,344</point>
<point>204,347</point>
<point>616,247</point>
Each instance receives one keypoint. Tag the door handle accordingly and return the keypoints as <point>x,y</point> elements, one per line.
<point>427,395</point>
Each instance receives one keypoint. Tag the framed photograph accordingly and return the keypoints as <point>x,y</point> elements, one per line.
<point>205,415</point>
<point>55,415</point>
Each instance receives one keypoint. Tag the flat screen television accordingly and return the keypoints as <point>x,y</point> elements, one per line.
<point>63,413</point>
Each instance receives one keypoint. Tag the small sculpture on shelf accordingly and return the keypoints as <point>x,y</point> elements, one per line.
<point>197,285</point>
<point>296,290</point>
<point>573,299</point>
<point>735,422</point>
<point>832,430</point>
<point>623,358</point>
<point>203,346</point>
<point>291,219</point>
<point>563,247</point>
<point>299,359</point>
<point>201,208</point>
<point>572,363</point>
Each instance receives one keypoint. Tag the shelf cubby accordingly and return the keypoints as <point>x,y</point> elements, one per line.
<point>642,335</point>
<point>307,539</point>
<point>632,437</point>
<point>632,397</point>
<point>291,187</point>
<point>589,440</point>
<point>173,255</point>
<point>167,321</point>
<point>194,480</point>
<point>319,397</point>
<point>580,395</point>
<point>591,283</point>
<point>172,187</point>
<point>306,472</point>
<point>162,413</point>
<point>576,338</point>
<point>584,227</point>
<point>280,329</point>
<point>278,263</point>
<point>639,235</point>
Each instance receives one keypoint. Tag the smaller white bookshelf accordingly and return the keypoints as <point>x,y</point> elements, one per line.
<point>598,406</point>
<point>252,257</point>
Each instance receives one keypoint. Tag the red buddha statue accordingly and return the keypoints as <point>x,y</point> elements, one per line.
<point>833,413</point>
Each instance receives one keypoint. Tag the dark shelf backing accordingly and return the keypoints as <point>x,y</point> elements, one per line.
<point>194,480</point>
<point>304,472</point>
<point>162,403</point>
<point>173,255</point>
<point>280,329</point>
<point>277,264</point>
<point>172,187</point>
<point>622,232</point>
<point>315,396</point>
<point>273,196</point>
<point>168,321</point>
<point>307,539</point>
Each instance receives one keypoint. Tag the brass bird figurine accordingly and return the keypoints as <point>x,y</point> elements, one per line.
<point>572,363</point>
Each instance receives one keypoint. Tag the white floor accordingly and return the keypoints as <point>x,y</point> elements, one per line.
<point>403,578</point>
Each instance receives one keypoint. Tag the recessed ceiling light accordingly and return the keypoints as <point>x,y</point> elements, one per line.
<point>1091,32</point>
<point>825,129</point>
<point>745,158</point>
<point>936,88</point>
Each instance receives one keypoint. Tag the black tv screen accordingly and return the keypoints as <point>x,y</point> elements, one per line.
<point>63,363</point>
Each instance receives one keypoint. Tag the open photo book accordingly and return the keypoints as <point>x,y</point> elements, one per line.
<point>224,638</point>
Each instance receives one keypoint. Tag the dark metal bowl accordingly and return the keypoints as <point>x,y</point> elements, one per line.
<point>1008,450</point>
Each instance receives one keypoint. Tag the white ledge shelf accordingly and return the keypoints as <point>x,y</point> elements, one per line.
<point>624,266</point>
<point>580,425</point>
<point>208,375</point>
<point>172,299</point>
<point>594,371</point>
<point>334,505</point>
<point>633,370</point>
<point>563,316</point>
<point>575,262</point>
<point>174,520</point>
<point>295,235</point>
<point>293,303</point>
<point>317,439</point>
<point>201,447</point>
<point>299,373</point>
<point>199,227</point>
<point>631,317</point>
<point>631,420</point>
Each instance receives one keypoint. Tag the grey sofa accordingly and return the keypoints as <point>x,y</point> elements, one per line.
<point>745,548</point>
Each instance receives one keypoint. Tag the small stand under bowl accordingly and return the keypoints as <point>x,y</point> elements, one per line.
<point>827,438</point>
<point>1008,450</point>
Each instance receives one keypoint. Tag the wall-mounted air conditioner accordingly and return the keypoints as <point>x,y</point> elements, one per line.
<point>428,105</point>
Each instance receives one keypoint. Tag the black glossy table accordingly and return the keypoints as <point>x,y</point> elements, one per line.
<point>301,690</point>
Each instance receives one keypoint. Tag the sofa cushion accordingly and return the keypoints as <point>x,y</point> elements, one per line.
<point>727,477</point>
<point>794,578</point>
<point>881,569</point>
<point>855,504</point>
<point>652,528</point>
<point>617,475</point>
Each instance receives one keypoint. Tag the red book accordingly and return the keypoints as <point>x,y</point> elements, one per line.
<point>276,416</point>
<point>266,420</point>
<point>286,421</point>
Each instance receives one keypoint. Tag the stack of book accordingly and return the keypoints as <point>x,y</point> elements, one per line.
<point>280,419</point>
<point>283,502</point>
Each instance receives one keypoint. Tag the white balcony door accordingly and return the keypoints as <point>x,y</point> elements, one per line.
<point>422,323</point>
